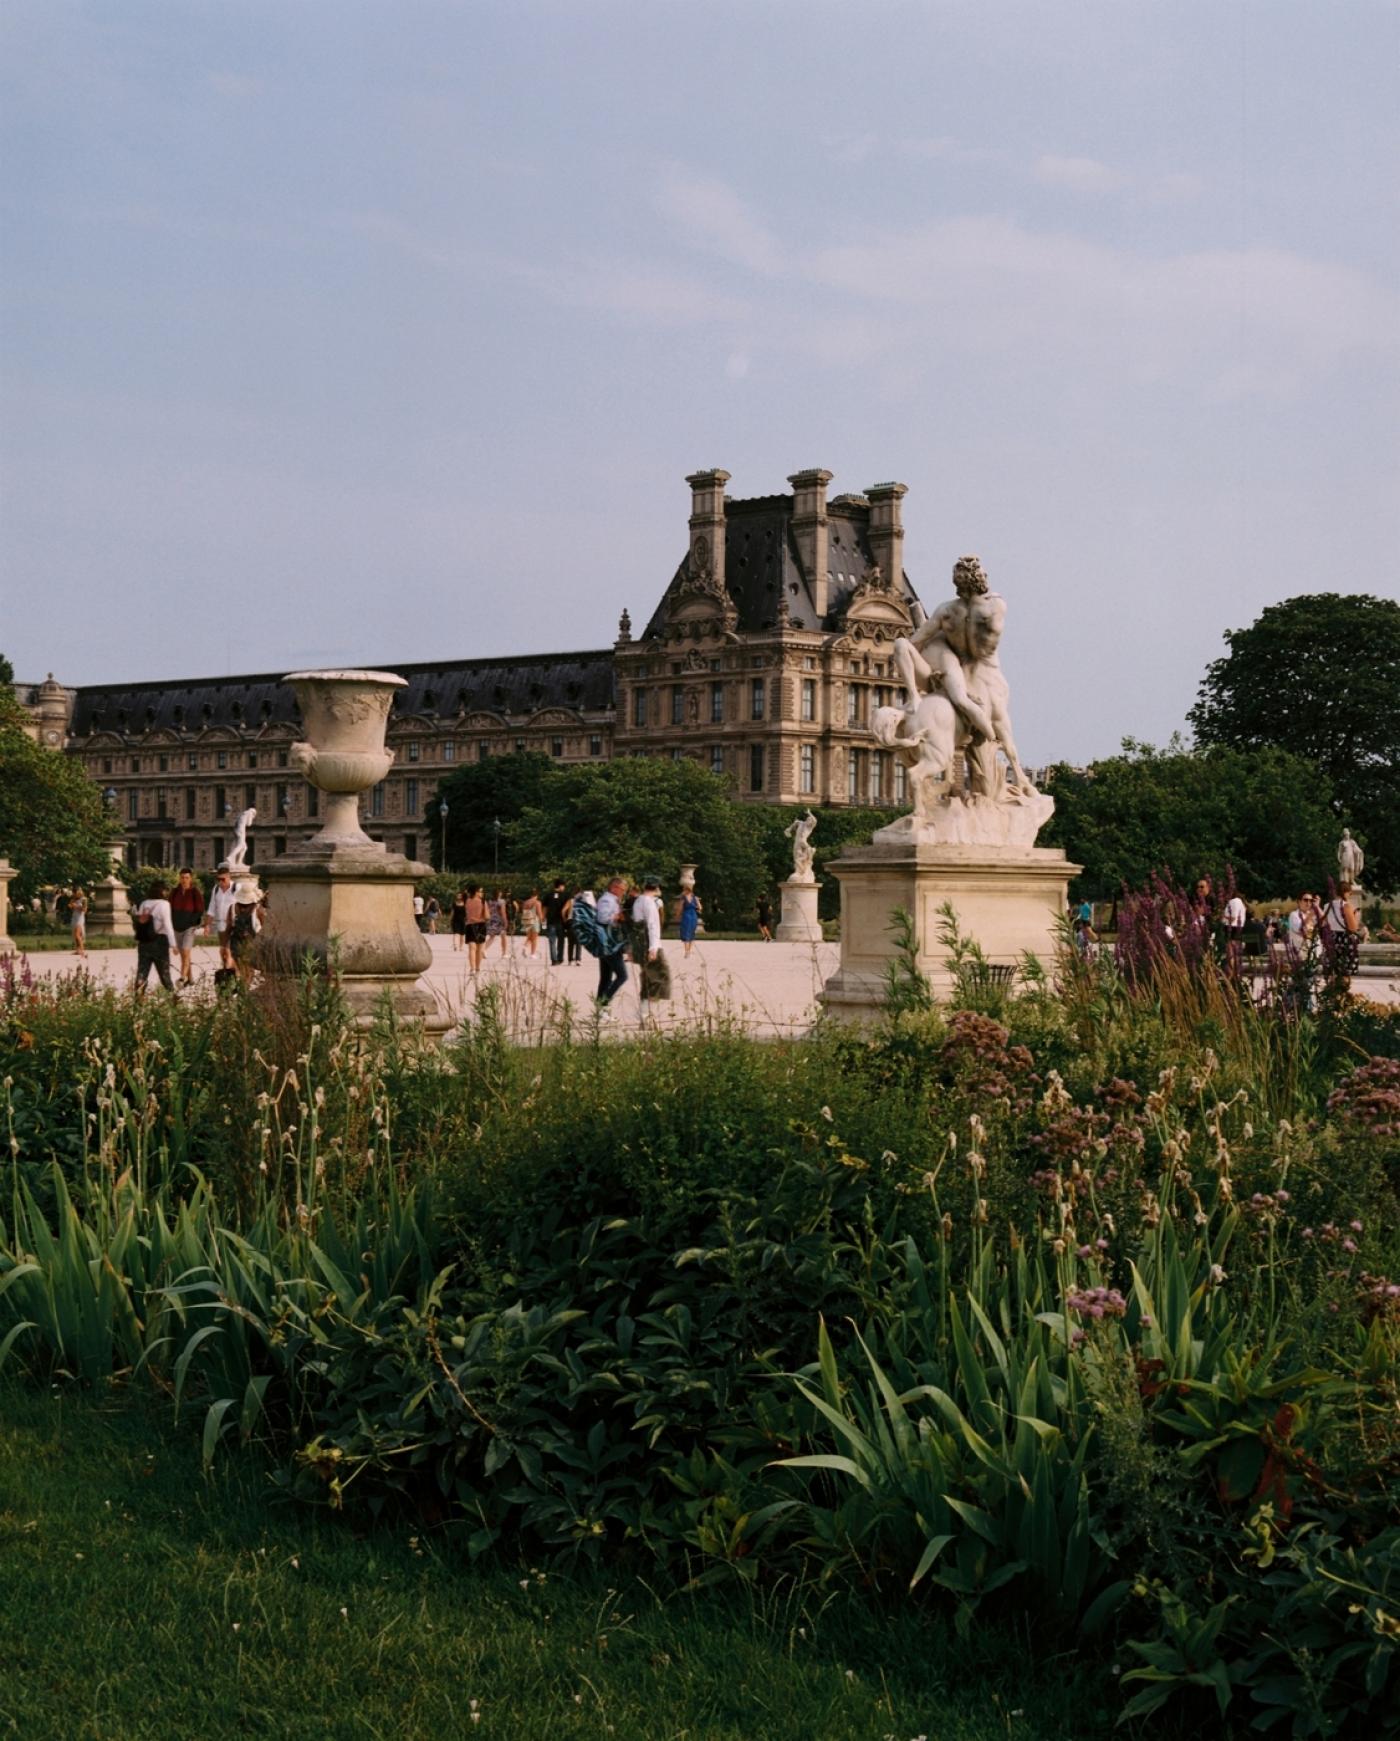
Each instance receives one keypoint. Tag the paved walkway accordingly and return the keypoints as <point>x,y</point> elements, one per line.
<point>769,988</point>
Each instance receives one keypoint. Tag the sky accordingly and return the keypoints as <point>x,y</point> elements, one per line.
<point>337,333</point>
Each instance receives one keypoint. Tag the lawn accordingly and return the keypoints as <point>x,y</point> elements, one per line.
<point>146,1602</point>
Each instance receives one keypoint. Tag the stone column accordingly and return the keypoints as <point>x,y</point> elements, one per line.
<point>109,911</point>
<point>340,897</point>
<point>799,922</point>
<point>7,875</point>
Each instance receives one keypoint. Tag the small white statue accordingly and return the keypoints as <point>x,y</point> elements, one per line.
<point>238,856</point>
<point>1351,861</point>
<point>799,832</point>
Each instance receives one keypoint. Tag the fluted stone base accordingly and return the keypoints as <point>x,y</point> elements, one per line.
<point>1008,900</point>
<point>351,908</point>
<point>799,922</point>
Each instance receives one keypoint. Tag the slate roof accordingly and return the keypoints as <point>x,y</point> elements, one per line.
<point>761,558</point>
<point>515,687</point>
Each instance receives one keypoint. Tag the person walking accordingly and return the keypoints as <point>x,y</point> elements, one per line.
<point>498,920</point>
<point>432,912</point>
<point>531,921</point>
<point>77,921</point>
<point>573,949</point>
<point>765,917</point>
<point>554,920</point>
<point>219,912</point>
<point>245,924</point>
<point>420,911</point>
<point>459,921</point>
<point>1233,920</point>
<point>691,910</point>
<point>612,962</point>
<point>155,937</point>
<point>1341,937</point>
<point>187,913</point>
<point>653,972</point>
<point>477,919</point>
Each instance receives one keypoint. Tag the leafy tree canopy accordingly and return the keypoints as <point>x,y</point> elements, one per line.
<point>1188,812</point>
<point>479,795</point>
<point>645,815</point>
<point>1319,675</point>
<point>52,825</point>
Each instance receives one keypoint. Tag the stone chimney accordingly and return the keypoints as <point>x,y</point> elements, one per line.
<point>886,531</point>
<point>809,528</point>
<point>707,523</point>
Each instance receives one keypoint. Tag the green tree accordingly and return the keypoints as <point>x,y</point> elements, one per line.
<point>53,827</point>
<point>645,815</point>
<point>1264,812</point>
<point>1319,675</point>
<point>479,795</point>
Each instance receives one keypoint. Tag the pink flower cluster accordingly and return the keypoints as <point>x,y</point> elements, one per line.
<point>1096,1303</point>
<point>1370,1097</point>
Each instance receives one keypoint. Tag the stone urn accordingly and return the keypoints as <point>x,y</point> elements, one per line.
<point>340,897</point>
<point>346,714</point>
<point>688,878</point>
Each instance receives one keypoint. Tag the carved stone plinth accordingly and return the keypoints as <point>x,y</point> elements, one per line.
<point>1008,900</point>
<point>799,922</point>
<point>7,875</point>
<point>341,897</point>
<point>351,908</point>
<point>109,910</point>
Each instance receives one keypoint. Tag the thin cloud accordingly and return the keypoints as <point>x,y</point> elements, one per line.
<point>707,214</point>
<point>1077,174</point>
<point>1260,320</point>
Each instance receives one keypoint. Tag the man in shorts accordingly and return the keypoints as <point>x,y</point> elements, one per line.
<point>218,915</point>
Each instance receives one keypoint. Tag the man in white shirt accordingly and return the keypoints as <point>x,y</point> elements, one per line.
<point>155,938</point>
<point>1233,919</point>
<point>653,972</point>
<point>219,914</point>
<point>612,965</point>
<point>418,906</point>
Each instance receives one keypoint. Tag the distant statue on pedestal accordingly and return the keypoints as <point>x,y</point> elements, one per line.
<point>799,832</point>
<point>237,859</point>
<point>1351,861</point>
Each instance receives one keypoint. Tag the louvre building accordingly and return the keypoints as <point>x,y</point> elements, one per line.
<point>763,660</point>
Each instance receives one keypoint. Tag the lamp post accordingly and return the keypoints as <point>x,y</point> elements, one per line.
<point>496,831</point>
<point>442,817</point>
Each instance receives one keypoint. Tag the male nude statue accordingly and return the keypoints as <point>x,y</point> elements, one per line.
<point>238,854</point>
<point>931,659</point>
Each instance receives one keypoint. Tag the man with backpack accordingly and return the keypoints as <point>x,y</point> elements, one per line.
<point>612,942</point>
<point>155,937</point>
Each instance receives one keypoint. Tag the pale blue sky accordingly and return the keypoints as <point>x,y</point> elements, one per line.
<point>340,332</point>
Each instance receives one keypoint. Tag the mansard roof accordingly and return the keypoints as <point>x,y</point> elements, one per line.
<point>520,686</point>
<point>762,565</point>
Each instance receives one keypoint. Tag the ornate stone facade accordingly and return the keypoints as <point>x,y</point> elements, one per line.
<point>765,660</point>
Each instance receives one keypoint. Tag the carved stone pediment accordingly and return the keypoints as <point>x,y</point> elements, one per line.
<point>556,716</point>
<point>480,720</point>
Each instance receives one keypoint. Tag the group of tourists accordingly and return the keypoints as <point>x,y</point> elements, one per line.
<point>567,920</point>
<point>169,920</point>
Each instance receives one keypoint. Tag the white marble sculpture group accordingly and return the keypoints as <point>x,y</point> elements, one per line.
<point>953,734</point>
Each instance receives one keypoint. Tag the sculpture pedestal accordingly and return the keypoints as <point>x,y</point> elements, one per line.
<point>799,922</point>
<point>1007,899</point>
<point>350,906</point>
<point>109,909</point>
<point>7,875</point>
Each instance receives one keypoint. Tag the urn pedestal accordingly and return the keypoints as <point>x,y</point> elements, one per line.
<point>1009,900</point>
<point>340,897</point>
<point>109,910</point>
<point>798,921</point>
